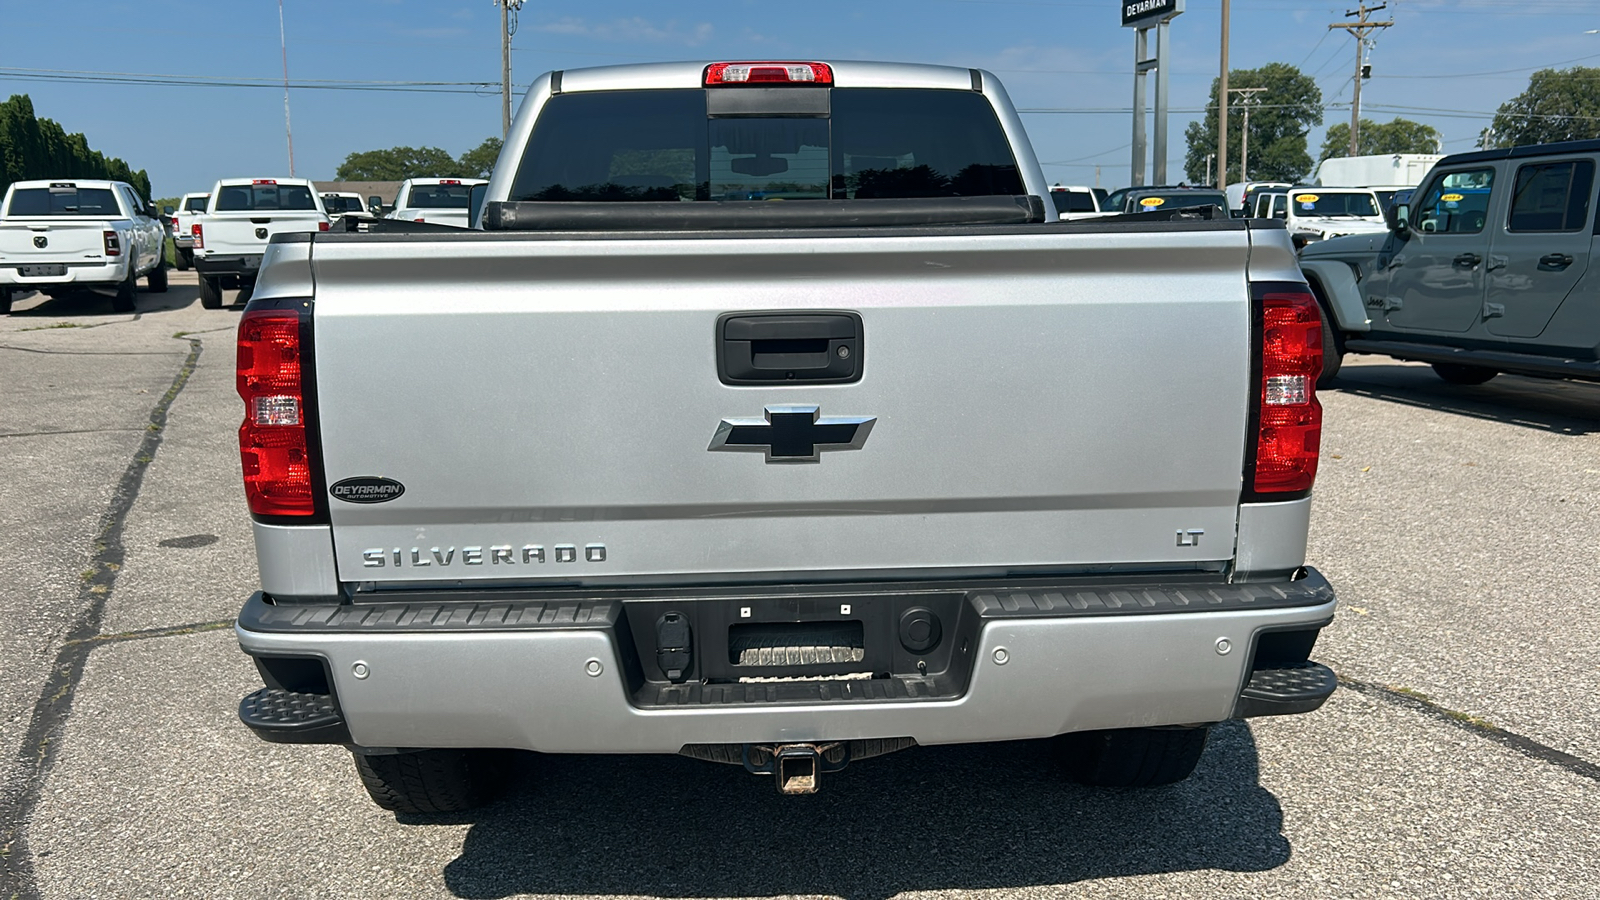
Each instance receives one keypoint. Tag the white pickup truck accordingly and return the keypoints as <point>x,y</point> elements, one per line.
<point>184,219</point>
<point>437,201</point>
<point>654,464</point>
<point>241,217</point>
<point>60,236</point>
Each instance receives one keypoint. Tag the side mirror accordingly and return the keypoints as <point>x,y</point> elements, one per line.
<point>167,210</point>
<point>1398,218</point>
<point>375,203</point>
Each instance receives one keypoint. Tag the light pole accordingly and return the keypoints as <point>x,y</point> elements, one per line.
<point>508,27</point>
<point>1222,107</point>
<point>283,46</point>
<point>1245,103</point>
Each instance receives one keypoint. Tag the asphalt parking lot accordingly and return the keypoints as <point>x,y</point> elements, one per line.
<point>1462,757</point>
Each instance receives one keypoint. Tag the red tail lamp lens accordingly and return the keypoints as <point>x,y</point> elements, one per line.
<point>1289,438</point>
<point>272,440</point>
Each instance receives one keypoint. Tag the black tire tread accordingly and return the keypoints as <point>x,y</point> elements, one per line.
<point>427,781</point>
<point>1133,757</point>
<point>157,278</point>
<point>210,293</point>
<point>1455,373</point>
<point>124,299</point>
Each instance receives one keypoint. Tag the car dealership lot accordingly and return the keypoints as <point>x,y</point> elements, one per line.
<point>1462,759</point>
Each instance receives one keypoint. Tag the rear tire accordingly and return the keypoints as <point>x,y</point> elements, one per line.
<point>246,290</point>
<point>123,300</point>
<point>210,293</point>
<point>158,277</point>
<point>1132,757</point>
<point>431,781</point>
<point>1332,351</point>
<point>182,258</point>
<point>5,301</point>
<point>1455,373</point>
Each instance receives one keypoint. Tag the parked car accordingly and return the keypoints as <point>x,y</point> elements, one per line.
<point>438,201</point>
<point>778,484</point>
<point>1270,203</point>
<point>241,217</point>
<point>66,235</point>
<point>1488,268</point>
<point>1161,199</point>
<point>1074,201</point>
<point>1319,213</point>
<point>1242,194</point>
<point>346,204</point>
<point>190,208</point>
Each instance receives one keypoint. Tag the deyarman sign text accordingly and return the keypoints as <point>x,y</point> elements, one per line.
<point>1138,10</point>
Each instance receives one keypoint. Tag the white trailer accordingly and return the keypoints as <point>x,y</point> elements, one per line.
<point>1383,169</point>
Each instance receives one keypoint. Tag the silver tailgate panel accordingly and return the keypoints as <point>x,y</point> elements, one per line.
<point>1041,400</point>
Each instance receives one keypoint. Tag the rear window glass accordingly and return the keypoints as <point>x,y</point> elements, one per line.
<point>98,202</point>
<point>341,204</point>
<point>1150,202</point>
<point>1072,201</point>
<point>1323,203</point>
<point>196,204</point>
<point>661,145</point>
<point>1552,196</point>
<point>239,197</point>
<point>439,196</point>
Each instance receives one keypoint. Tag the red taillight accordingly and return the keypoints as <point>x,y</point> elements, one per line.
<point>419,220</point>
<point>449,181</point>
<point>263,181</point>
<point>199,236</point>
<point>768,73</point>
<point>1289,434</point>
<point>322,226</point>
<point>272,440</point>
<point>113,244</point>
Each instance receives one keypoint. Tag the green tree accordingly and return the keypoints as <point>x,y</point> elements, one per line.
<point>32,148</point>
<point>1559,105</point>
<point>479,161</point>
<point>398,164</point>
<point>1399,136</point>
<point>1280,117</point>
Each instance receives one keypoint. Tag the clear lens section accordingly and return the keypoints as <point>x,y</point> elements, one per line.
<point>736,73</point>
<point>275,410</point>
<point>801,73</point>
<point>1287,390</point>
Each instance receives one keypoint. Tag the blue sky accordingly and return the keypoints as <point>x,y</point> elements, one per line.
<point>1051,54</point>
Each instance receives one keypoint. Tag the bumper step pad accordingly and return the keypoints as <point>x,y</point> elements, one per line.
<point>285,717</point>
<point>1282,692</point>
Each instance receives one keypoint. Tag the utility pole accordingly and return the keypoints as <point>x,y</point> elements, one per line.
<point>283,45</point>
<point>1359,29</point>
<point>1244,134</point>
<point>1222,107</point>
<point>508,27</point>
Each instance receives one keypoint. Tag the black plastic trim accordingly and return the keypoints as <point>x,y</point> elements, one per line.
<point>284,717</point>
<point>856,343</point>
<point>555,82</point>
<point>717,215</point>
<point>1501,360</point>
<point>977,80</point>
<point>1522,152</point>
<point>309,409</point>
<point>211,266</point>
<point>1287,691</point>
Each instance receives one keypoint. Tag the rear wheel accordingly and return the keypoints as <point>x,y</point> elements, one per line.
<point>246,289</point>
<point>432,781</point>
<point>5,301</point>
<point>1132,757</point>
<point>210,293</point>
<point>182,258</point>
<point>158,277</point>
<point>1456,373</point>
<point>123,300</point>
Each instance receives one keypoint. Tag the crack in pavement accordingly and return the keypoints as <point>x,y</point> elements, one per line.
<point>42,741</point>
<point>85,352</point>
<point>17,434</point>
<point>144,634</point>
<point>1408,699</point>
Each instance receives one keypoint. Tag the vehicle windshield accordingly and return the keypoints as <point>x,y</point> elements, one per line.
<point>1323,203</point>
<point>246,197</point>
<point>1073,201</point>
<point>663,145</point>
<point>1150,201</point>
<point>98,202</point>
<point>196,204</point>
<point>439,196</point>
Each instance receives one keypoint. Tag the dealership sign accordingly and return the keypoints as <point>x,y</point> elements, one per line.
<point>1145,13</point>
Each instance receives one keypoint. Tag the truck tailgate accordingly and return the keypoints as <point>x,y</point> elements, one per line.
<point>52,240</point>
<point>249,232</point>
<point>1042,400</point>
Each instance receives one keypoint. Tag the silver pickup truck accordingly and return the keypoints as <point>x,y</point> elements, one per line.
<point>771,420</point>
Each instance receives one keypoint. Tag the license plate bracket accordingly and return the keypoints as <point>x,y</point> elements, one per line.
<point>42,271</point>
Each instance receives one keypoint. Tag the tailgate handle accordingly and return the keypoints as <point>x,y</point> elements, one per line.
<point>266,221</point>
<point>808,348</point>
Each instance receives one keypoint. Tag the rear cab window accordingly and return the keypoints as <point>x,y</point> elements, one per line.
<point>1333,203</point>
<point>1552,196</point>
<point>1155,200</point>
<point>64,200</point>
<point>453,195</point>
<point>265,196</point>
<point>843,143</point>
<point>196,204</point>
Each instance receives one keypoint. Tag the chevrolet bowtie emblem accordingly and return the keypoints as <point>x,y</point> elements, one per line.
<point>790,434</point>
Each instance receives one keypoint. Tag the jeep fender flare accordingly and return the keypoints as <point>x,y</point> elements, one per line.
<point>1334,283</point>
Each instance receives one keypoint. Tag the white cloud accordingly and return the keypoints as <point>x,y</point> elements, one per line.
<point>634,29</point>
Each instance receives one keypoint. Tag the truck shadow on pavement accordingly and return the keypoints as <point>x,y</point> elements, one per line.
<point>95,303</point>
<point>928,818</point>
<point>1557,407</point>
